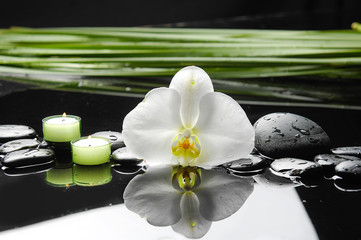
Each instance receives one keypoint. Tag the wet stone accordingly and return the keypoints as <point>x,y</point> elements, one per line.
<point>129,170</point>
<point>123,157</point>
<point>249,164</point>
<point>347,185</point>
<point>289,135</point>
<point>333,159</point>
<point>23,171</point>
<point>12,132</point>
<point>294,167</point>
<point>269,179</point>
<point>18,144</point>
<point>28,157</point>
<point>329,161</point>
<point>349,170</point>
<point>115,138</point>
<point>355,151</point>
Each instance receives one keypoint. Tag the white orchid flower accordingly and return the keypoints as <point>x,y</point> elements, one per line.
<point>188,124</point>
<point>187,198</point>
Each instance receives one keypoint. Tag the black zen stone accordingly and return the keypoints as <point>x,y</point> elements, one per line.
<point>249,164</point>
<point>269,179</point>
<point>28,157</point>
<point>123,157</point>
<point>356,151</point>
<point>15,145</point>
<point>294,167</point>
<point>23,171</point>
<point>289,135</point>
<point>115,138</point>
<point>12,132</point>
<point>349,170</point>
<point>129,170</point>
<point>329,161</point>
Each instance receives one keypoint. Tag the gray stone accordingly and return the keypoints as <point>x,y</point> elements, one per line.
<point>294,167</point>
<point>123,157</point>
<point>329,161</point>
<point>347,185</point>
<point>129,170</point>
<point>349,170</point>
<point>18,144</point>
<point>289,135</point>
<point>12,132</point>
<point>333,159</point>
<point>28,157</point>
<point>31,170</point>
<point>355,151</point>
<point>115,138</point>
<point>269,179</point>
<point>250,164</point>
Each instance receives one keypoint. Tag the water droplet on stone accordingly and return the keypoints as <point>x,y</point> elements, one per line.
<point>115,138</point>
<point>304,132</point>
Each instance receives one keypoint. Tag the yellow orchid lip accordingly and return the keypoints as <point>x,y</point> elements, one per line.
<point>186,146</point>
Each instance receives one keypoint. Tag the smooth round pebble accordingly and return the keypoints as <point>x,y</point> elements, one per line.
<point>18,144</point>
<point>328,162</point>
<point>28,157</point>
<point>349,170</point>
<point>347,185</point>
<point>333,159</point>
<point>123,157</point>
<point>249,164</point>
<point>289,135</point>
<point>115,138</point>
<point>269,179</point>
<point>294,167</point>
<point>129,170</point>
<point>23,171</point>
<point>10,132</point>
<point>355,151</point>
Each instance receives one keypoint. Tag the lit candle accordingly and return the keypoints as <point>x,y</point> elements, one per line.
<point>61,128</point>
<point>90,150</point>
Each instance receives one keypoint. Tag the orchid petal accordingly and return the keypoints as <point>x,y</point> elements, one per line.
<point>221,195</point>
<point>192,83</point>
<point>223,130</point>
<point>149,129</point>
<point>152,196</point>
<point>192,224</point>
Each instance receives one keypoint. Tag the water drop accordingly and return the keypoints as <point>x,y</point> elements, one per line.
<point>297,135</point>
<point>113,138</point>
<point>267,118</point>
<point>305,132</point>
<point>314,140</point>
<point>30,152</point>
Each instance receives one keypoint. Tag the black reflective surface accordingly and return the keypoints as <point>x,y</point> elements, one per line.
<point>26,199</point>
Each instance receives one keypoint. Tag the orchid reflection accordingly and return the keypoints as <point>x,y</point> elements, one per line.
<point>187,198</point>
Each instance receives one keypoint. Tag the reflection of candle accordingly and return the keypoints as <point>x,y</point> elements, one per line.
<point>90,150</point>
<point>92,175</point>
<point>61,128</point>
<point>60,177</point>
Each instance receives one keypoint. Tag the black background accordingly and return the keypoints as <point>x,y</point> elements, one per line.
<point>276,14</point>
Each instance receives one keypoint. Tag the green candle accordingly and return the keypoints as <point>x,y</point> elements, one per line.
<point>61,128</point>
<point>90,150</point>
